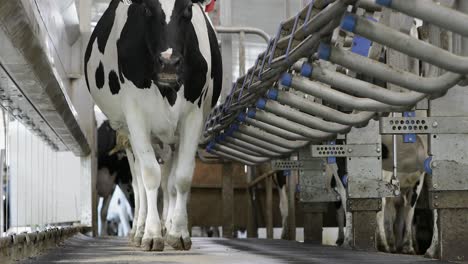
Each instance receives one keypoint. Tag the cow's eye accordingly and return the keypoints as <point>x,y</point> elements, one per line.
<point>188,12</point>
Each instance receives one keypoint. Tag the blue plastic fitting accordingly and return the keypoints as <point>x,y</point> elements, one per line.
<point>348,22</point>
<point>324,51</point>
<point>241,117</point>
<point>306,70</point>
<point>261,103</point>
<point>286,79</point>
<point>427,165</point>
<point>251,113</point>
<point>386,3</point>
<point>220,138</point>
<point>210,146</point>
<point>272,94</point>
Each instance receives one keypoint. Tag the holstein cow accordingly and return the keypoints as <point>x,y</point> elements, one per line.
<point>395,221</point>
<point>154,68</point>
<point>113,169</point>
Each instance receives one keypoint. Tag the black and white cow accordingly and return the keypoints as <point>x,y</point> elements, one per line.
<point>113,169</point>
<point>154,68</point>
<point>395,221</point>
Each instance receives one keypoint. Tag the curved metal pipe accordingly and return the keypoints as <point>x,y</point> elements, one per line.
<point>240,149</point>
<point>273,139</point>
<point>433,13</point>
<point>291,126</point>
<point>239,154</point>
<point>313,108</point>
<point>387,73</point>
<point>231,157</point>
<point>302,118</point>
<point>260,143</point>
<point>365,89</point>
<point>405,44</point>
<point>336,97</point>
<point>246,30</point>
<point>252,147</point>
<point>273,130</point>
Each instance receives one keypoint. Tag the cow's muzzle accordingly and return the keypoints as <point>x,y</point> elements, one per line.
<point>169,73</point>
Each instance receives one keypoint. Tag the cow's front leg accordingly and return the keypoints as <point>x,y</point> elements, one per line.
<point>136,195</point>
<point>104,209</point>
<point>140,138</point>
<point>165,172</point>
<point>432,251</point>
<point>178,236</point>
<point>142,210</point>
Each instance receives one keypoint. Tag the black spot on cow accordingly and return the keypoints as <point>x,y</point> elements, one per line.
<point>168,93</point>
<point>216,64</point>
<point>100,76</point>
<point>114,83</point>
<point>134,58</point>
<point>196,68</point>
<point>414,195</point>
<point>101,33</point>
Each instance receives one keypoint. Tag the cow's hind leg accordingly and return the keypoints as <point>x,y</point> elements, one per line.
<point>165,172</point>
<point>178,236</point>
<point>283,205</point>
<point>136,195</point>
<point>408,247</point>
<point>140,138</point>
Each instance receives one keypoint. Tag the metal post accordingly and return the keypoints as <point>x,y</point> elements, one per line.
<point>226,51</point>
<point>228,201</point>
<point>269,206</point>
<point>251,223</point>
<point>292,204</point>
<point>242,53</point>
<point>448,186</point>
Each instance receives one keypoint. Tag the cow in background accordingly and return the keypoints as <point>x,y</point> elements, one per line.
<point>113,169</point>
<point>154,69</point>
<point>395,221</point>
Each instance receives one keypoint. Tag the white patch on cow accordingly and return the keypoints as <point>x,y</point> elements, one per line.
<point>167,54</point>
<point>167,7</point>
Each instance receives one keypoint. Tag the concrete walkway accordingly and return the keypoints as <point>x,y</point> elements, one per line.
<point>83,249</point>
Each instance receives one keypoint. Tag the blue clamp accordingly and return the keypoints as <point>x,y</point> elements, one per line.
<point>241,117</point>
<point>286,79</point>
<point>331,159</point>
<point>210,146</point>
<point>427,165</point>
<point>233,128</point>
<point>386,3</point>
<point>252,112</point>
<point>324,51</point>
<point>348,23</point>
<point>272,94</point>
<point>220,138</point>
<point>306,70</point>
<point>261,103</point>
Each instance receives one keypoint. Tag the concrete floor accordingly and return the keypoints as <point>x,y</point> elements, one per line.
<point>82,249</point>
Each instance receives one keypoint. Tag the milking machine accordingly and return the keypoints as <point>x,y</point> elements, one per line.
<point>336,70</point>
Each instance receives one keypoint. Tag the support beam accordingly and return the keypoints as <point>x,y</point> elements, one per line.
<point>228,201</point>
<point>269,207</point>
<point>364,222</point>
<point>313,222</point>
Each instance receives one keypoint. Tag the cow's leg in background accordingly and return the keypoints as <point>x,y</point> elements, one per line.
<point>190,130</point>
<point>142,210</point>
<point>165,173</point>
<point>150,170</point>
<point>280,182</point>
<point>432,251</point>
<point>104,209</point>
<point>136,194</point>
<point>381,233</point>
<point>408,247</point>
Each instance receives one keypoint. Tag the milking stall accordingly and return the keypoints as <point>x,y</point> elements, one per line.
<point>234,131</point>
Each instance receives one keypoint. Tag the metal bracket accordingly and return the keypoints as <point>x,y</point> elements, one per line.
<point>296,165</point>
<point>424,125</point>
<point>352,150</point>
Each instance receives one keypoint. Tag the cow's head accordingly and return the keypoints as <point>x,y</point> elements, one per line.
<point>165,27</point>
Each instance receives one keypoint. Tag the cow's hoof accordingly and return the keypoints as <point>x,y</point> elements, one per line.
<point>137,241</point>
<point>408,250</point>
<point>340,241</point>
<point>152,244</point>
<point>179,242</point>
